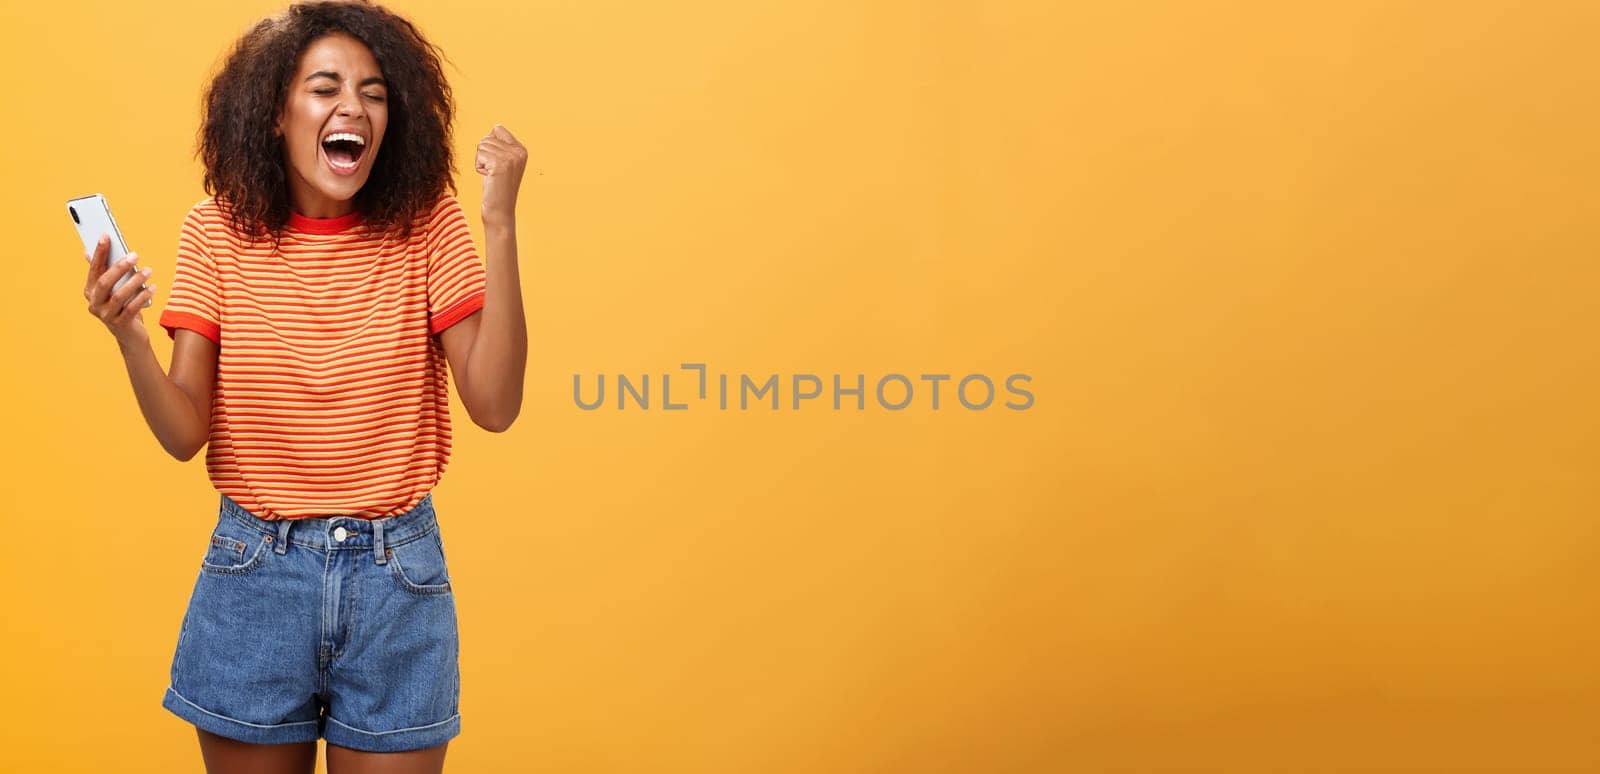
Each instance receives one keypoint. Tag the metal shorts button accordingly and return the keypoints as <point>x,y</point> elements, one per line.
<point>340,534</point>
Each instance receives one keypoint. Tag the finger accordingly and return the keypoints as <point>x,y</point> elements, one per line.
<point>133,305</point>
<point>142,300</point>
<point>119,317</point>
<point>108,279</point>
<point>503,133</point>
<point>488,160</point>
<point>100,292</point>
<point>131,288</point>
<point>507,150</point>
<point>97,260</point>
<point>126,297</point>
<point>490,152</point>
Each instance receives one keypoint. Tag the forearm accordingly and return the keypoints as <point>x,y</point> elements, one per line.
<point>499,353</point>
<point>180,425</point>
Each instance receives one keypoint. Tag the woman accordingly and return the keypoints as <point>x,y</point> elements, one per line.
<point>322,294</point>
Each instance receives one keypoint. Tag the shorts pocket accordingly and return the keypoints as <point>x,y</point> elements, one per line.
<point>234,549</point>
<point>418,565</point>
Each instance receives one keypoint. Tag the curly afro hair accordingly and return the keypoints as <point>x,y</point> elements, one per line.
<point>245,167</point>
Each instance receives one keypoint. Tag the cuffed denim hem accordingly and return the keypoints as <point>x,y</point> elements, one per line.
<point>254,733</point>
<point>399,740</point>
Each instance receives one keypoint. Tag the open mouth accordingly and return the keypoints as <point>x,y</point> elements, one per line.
<point>344,150</point>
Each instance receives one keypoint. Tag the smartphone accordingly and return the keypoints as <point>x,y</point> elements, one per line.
<point>92,217</point>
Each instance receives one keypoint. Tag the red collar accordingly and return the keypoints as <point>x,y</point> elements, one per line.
<point>337,225</point>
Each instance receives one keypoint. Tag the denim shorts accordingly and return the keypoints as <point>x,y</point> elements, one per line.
<point>335,627</point>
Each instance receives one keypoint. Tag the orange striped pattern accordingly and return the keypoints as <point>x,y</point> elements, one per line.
<point>332,390</point>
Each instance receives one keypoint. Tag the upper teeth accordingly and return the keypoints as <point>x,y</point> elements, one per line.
<point>355,138</point>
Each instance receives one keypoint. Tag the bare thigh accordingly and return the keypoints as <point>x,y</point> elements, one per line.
<point>343,760</point>
<point>230,756</point>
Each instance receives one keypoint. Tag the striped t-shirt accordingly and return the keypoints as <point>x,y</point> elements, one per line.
<point>331,392</point>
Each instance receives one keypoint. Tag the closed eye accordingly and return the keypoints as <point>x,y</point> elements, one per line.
<point>330,92</point>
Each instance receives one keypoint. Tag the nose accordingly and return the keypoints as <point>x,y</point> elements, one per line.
<point>346,108</point>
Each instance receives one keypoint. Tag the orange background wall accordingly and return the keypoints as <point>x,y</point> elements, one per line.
<point>1306,293</point>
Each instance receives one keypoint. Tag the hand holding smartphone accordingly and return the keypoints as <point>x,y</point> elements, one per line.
<point>117,305</point>
<point>92,217</point>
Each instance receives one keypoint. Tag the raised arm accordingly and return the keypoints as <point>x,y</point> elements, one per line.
<point>488,349</point>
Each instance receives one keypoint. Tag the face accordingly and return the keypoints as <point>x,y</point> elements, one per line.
<point>332,125</point>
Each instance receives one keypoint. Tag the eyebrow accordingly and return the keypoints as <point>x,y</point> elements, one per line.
<point>335,76</point>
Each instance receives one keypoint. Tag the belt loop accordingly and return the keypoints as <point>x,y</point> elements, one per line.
<point>377,540</point>
<point>283,536</point>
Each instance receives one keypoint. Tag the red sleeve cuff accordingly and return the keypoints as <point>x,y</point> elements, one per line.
<point>456,313</point>
<point>173,320</point>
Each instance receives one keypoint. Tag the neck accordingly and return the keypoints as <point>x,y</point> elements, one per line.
<point>308,201</point>
<point>326,208</point>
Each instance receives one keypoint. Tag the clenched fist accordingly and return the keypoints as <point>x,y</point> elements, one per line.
<point>501,160</point>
